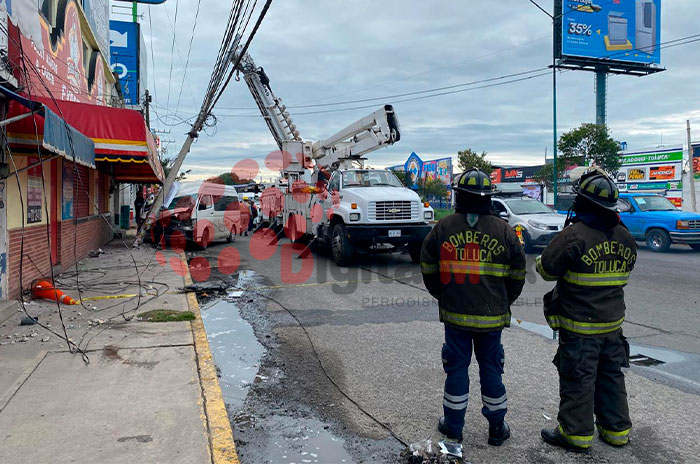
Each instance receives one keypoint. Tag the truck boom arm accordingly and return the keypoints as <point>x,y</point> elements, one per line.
<point>370,133</point>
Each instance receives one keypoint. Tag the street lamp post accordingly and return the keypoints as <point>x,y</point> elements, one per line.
<point>554,96</point>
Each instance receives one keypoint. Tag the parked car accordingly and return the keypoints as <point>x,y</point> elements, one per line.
<point>540,223</point>
<point>200,212</point>
<point>654,219</point>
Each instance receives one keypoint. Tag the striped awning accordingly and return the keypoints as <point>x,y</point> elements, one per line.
<point>123,144</point>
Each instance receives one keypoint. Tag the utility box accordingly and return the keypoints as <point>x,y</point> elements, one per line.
<point>124,214</point>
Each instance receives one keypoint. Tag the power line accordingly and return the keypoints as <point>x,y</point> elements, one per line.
<point>187,61</point>
<point>172,48</point>
<point>153,59</point>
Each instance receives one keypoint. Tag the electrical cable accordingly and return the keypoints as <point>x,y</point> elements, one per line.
<point>172,49</point>
<point>24,61</point>
<point>153,59</point>
<point>327,375</point>
<point>187,61</point>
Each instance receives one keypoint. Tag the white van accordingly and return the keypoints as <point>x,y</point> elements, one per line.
<point>199,212</point>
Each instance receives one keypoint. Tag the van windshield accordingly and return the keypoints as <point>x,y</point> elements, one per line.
<point>184,201</point>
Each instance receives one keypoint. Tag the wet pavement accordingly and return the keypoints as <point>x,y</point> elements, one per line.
<point>263,433</point>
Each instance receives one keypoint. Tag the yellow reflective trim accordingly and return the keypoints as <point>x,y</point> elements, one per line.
<point>581,441</point>
<point>615,438</point>
<point>541,271</point>
<point>474,321</point>
<point>475,268</point>
<point>557,322</point>
<point>606,279</point>
<point>428,268</point>
<point>517,274</point>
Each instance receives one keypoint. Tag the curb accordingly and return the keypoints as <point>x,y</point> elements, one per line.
<point>221,444</point>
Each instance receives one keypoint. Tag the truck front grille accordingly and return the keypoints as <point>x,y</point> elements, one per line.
<point>694,224</point>
<point>393,210</point>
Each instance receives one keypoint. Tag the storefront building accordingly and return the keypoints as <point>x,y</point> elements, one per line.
<point>68,143</point>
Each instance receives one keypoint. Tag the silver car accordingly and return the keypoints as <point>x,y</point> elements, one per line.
<point>540,223</point>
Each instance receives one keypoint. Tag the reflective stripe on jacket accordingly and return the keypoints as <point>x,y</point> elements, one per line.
<point>591,267</point>
<point>476,272</point>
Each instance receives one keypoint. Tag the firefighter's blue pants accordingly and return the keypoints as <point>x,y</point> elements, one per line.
<point>456,357</point>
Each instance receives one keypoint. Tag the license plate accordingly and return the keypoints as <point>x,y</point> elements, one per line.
<point>394,233</point>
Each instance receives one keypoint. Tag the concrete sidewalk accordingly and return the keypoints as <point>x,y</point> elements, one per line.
<point>149,393</point>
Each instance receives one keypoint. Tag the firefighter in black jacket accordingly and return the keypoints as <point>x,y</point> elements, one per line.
<point>473,263</point>
<point>591,260</point>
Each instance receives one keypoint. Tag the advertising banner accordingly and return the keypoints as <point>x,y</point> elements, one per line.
<point>662,173</point>
<point>675,185</point>
<point>67,200</point>
<point>97,12</point>
<point>636,174</point>
<point>124,53</point>
<point>696,161</point>
<point>619,30</point>
<point>33,192</point>
<point>440,169</point>
<point>59,60</point>
<point>662,156</point>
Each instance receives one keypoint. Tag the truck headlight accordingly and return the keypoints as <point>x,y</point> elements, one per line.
<point>537,225</point>
<point>427,215</point>
<point>682,224</point>
<point>354,216</point>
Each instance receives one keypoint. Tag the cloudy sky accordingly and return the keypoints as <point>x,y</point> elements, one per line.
<point>326,51</point>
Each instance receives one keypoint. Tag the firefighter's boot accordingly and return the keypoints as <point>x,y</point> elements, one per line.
<point>499,433</point>
<point>554,437</point>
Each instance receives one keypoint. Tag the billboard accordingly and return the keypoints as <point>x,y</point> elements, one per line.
<point>124,52</point>
<point>618,30</point>
<point>97,12</point>
<point>696,161</point>
<point>440,169</point>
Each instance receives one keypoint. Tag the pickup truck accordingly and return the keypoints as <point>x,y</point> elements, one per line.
<point>654,219</point>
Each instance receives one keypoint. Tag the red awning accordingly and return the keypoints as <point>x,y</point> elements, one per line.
<point>121,138</point>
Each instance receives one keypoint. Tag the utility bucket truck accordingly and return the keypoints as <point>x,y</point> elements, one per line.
<point>326,195</point>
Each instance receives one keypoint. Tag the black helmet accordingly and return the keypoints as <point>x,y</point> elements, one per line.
<point>597,187</point>
<point>474,181</point>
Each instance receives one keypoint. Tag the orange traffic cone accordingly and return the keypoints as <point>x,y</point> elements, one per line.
<point>44,289</point>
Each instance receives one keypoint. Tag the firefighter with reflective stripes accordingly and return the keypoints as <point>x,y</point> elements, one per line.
<point>473,263</point>
<point>591,260</point>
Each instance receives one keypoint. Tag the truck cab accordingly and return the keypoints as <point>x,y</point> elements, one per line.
<point>370,208</point>
<point>655,220</point>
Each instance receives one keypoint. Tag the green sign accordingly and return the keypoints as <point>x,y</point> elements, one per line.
<point>656,186</point>
<point>643,158</point>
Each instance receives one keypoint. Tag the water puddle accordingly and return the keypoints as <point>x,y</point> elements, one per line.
<point>301,441</point>
<point>236,350</point>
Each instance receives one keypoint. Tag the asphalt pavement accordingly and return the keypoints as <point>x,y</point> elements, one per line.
<point>359,349</point>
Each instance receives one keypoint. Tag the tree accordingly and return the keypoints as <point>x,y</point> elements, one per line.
<point>432,188</point>
<point>403,177</point>
<point>167,164</point>
<point>467,159</point>
<point>229,178</point>
<point>588,144</point>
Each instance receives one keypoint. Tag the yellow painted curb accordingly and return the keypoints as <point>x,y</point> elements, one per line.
<point>221,444</point>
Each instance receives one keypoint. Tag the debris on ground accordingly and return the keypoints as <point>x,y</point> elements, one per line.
<point>95,253</point>
<point>448,452</point>
<point>28,320</point>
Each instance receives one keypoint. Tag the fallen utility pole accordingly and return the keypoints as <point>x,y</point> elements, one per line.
<point>214,92</point>
<point>691,170</point>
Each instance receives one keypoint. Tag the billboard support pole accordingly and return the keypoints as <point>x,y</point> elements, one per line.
<point>135,12</point>
<point>691,171</point>
<point>554,107</point>
<point>601,95</point>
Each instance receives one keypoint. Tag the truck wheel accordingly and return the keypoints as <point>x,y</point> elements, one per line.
<point>695,246</point>
<point>341,247</point>
<point>658,240</point>
<point>414,250</point>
